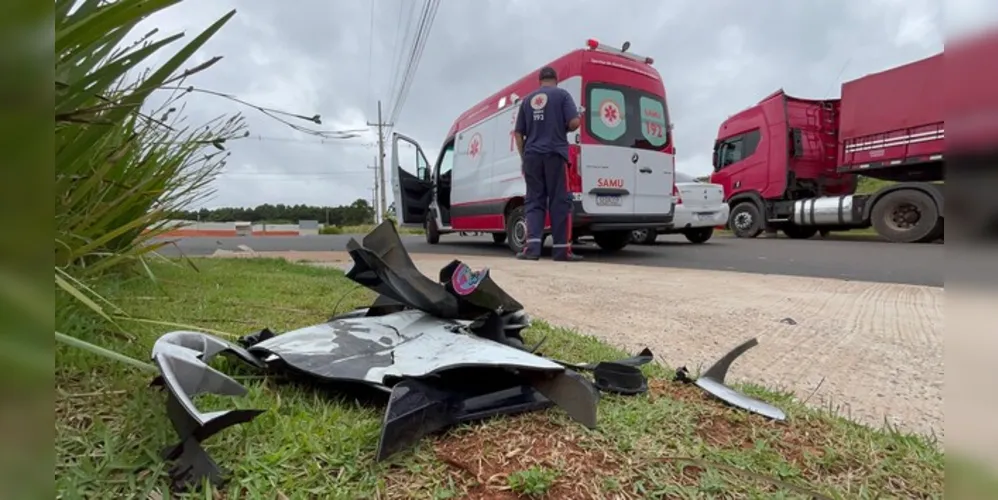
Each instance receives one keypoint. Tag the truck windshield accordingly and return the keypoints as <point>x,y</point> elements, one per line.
<point>622,116</point>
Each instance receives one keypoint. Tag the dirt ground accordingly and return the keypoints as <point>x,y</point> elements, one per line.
<point>872,351</point>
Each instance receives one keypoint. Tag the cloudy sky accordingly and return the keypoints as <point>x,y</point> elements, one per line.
<point>321,56</point>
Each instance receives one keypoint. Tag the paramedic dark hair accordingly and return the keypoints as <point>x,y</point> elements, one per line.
<point>547,73</point>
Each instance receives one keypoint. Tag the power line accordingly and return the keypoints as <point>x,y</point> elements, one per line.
<point>398,49</point>
<point>325,142</point>
<point>292,175</point>
<point>395,48</point>
<point>370,55</point>
<point>430,13</point>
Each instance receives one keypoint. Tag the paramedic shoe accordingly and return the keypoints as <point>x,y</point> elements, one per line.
<point>526,256</point>
<point>568,258</point>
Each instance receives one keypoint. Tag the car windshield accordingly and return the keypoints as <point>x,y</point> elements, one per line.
<point>623,116</point>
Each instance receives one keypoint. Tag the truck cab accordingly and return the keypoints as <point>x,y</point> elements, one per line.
<point>780,150</point>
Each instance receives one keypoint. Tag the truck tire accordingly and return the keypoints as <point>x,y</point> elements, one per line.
<point>906,216</point>
<point>516,229</point>
<point>644,236</point>
<point>431,230</point>
<point>937,232</point>
<point>612,241</point>
<point>796,232</point>
<point>745,220</point>
<point>499,238</point>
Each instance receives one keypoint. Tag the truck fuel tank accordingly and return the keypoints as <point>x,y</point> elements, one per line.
<point>843,210</point>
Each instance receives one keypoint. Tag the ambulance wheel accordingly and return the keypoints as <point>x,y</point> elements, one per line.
<point>432,231</point>
<point>516,229</point>
<point>499,238</point>
<point>612,241</point>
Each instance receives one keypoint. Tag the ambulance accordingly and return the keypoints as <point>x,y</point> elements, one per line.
<point>621,159</point>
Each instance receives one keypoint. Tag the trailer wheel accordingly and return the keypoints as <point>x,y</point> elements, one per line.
<point>906,216</point>
<point>612,241</point>
<point>745,220</point>
<point>516,229</point>
<point>796,232</point>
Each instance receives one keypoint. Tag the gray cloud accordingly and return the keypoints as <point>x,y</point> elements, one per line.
<point>716,57</point>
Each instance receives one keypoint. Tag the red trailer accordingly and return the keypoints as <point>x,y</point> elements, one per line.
<point>793,164</point>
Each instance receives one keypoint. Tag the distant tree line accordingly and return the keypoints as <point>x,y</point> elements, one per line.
<point>356,213</point>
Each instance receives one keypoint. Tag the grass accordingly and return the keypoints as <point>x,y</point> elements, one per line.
<point>671,442</point>
<point>364,229</point>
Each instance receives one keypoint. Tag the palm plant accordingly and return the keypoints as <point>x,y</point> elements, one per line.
<point>120,171</point>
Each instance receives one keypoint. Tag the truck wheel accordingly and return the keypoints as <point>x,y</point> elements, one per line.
<point>644,236</point>
<point>499,238</point>
<point>906,216</point>
<point>432,231</point>
<point>612,241</point>
<point>796,232</point>
<point>937,232</point>
<point>745,220</point>
<point>516,230</point>
<point>699,235</point>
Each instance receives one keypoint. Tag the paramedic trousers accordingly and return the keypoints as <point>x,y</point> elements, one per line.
<point>547,191</point>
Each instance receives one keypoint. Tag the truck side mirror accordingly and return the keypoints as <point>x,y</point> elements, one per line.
<point>796,143</point>
<point>713,156</point>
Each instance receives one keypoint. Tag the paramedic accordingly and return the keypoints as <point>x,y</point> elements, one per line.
<point>543,122</point>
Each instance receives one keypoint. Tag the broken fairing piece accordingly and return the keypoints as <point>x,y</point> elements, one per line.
<point>622,376</point>
<point>447,351</point>
<point>418,408</point>
<point>642,358</point>
<point>712,381</point>
<point>181,358</point>
<point>619,378</point>
<point>381,350</point>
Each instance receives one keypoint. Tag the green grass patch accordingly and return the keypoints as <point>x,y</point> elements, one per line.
<point>672,442</point>
<point>364,229</point>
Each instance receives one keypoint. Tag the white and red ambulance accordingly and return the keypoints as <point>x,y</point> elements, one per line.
<point>620,172</point>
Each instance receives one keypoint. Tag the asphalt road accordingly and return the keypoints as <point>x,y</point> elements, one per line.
<point>863,260</point>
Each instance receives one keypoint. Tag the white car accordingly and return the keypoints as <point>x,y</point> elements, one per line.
<point>700,207</point>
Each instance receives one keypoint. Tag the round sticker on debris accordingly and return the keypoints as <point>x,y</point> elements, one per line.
<point>465,281</point>
<point>609,113</point>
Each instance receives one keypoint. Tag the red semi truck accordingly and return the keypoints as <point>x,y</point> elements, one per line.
<point>793,164</point>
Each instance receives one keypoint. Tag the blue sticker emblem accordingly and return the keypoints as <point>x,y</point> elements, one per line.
<point>465,281</point>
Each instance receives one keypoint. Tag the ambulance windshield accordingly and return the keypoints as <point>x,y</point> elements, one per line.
<point>622,116</point>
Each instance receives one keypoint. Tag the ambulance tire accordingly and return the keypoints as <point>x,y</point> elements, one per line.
<point>516,229</point>
<point>432,231</point>
<point>612,241</point>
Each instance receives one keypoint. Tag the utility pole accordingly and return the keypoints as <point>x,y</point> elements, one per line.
<point>374,191</point>
<point>381,158</point>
